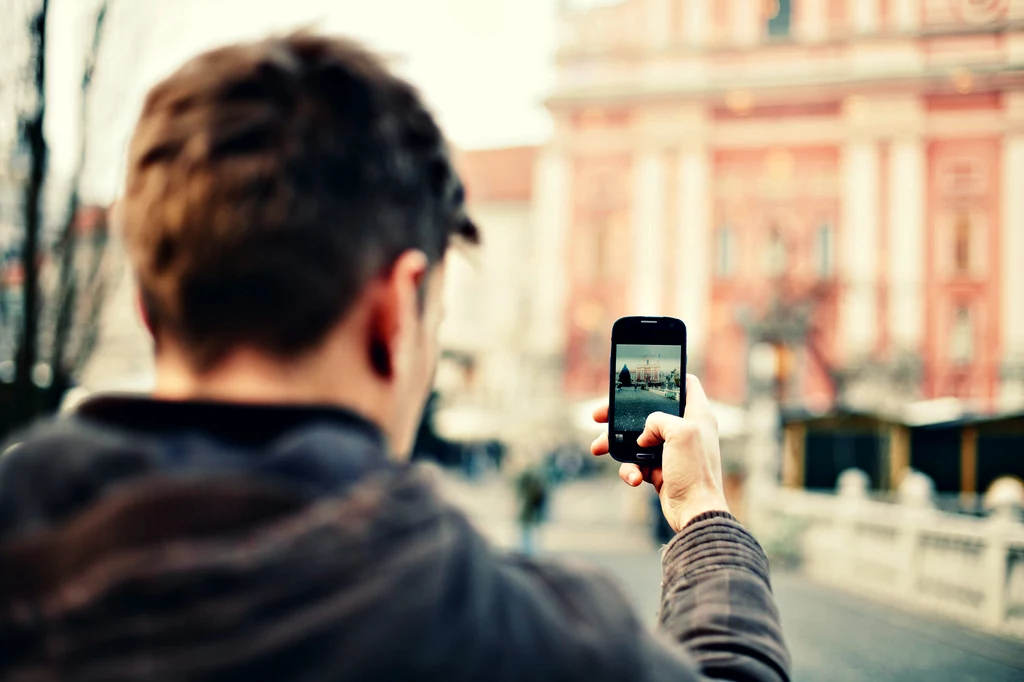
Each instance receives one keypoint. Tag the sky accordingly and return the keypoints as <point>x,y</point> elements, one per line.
<point>633,356</point>
<point>484,66</point>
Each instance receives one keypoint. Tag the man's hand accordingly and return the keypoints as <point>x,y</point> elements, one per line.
<point>689,481</point>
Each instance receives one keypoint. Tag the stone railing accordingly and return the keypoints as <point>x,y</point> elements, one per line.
<point>909,554</point>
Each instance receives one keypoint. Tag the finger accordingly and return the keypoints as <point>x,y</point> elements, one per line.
<point>601,414</point>
<point>652,475</point>
<point>630,473</point>
<point>600,445</point>
<point>656,478</point>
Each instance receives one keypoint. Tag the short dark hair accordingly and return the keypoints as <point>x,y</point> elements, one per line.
<point>268,182</point>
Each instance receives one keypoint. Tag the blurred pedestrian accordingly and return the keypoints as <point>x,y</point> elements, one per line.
<point>532,493</point>
<point>288,207</point>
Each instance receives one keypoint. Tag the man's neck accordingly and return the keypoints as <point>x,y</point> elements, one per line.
<point>248,376</point>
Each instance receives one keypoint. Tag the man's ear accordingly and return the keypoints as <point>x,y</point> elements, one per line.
<point>143,313</point>
<point>395,305</point>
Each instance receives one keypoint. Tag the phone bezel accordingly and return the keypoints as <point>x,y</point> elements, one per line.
<point>664,331</point>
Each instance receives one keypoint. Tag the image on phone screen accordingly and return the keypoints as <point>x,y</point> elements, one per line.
<point>648,378</point>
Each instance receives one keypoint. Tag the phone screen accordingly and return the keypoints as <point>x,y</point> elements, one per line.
<point>648,374</point>
<point>649,378</point>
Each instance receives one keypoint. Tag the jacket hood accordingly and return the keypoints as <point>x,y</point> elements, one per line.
<point>60,467</point>
<point>131,553</point>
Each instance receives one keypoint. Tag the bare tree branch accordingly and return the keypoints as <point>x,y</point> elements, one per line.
<point>32,129</point>
<point>63,285</point>
<point>66,298</point>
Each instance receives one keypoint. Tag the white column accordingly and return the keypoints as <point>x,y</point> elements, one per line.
<point>746,17</point>
<point>648,221</point>
<point>811,21</point>
<point>858,256</point>
<point>552,214</point>
<point>906,243</point>
<point>698,21</point>
<point>1011,248</point>
<point>864,15</point>
<point>906,14</point>
<point>659,22</point>
<point>693,273</point>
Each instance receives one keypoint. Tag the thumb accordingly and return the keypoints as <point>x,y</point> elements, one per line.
<point>655,430</point>
<point>697,406</point>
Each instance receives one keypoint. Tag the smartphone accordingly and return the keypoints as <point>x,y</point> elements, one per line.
<point>648,374</point>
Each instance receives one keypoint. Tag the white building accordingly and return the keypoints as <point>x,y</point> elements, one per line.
<point>500,375</point>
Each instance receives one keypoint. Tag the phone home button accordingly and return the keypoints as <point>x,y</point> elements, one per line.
<point>645,455</point>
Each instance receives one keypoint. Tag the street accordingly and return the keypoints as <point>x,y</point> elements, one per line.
<point>835,637</point>
<point>633,406</point>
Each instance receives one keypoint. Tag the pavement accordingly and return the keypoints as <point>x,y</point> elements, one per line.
<point>833,636</point>
<point>836,637</point>
<point>592,515</point>
<point>633,406</point>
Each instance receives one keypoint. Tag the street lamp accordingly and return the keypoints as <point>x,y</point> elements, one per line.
<point>761,364</point>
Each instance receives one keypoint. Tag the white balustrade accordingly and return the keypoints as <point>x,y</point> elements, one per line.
<point>967,568</point>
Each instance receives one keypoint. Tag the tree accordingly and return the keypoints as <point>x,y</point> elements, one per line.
<point>624,377</point>
<point>61,280</point>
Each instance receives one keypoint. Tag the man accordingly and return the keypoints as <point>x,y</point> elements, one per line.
<point>532,491</point>
<point>287,210</point>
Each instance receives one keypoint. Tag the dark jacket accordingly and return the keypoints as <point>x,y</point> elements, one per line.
<point>142,540</point>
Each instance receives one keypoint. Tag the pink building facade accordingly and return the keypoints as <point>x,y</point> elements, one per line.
<point>840,179</point>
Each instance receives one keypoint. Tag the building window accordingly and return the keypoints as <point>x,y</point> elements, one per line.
<point>961,337</point>
<point>776,256</point>
<point>724,252</point>
<point>962,245</point>
<point>823,252</point>
<point>778,13</point>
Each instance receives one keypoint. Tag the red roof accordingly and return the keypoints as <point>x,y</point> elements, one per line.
<point>90,218</point>
<point>12,276</point>
<point>492,175</point>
